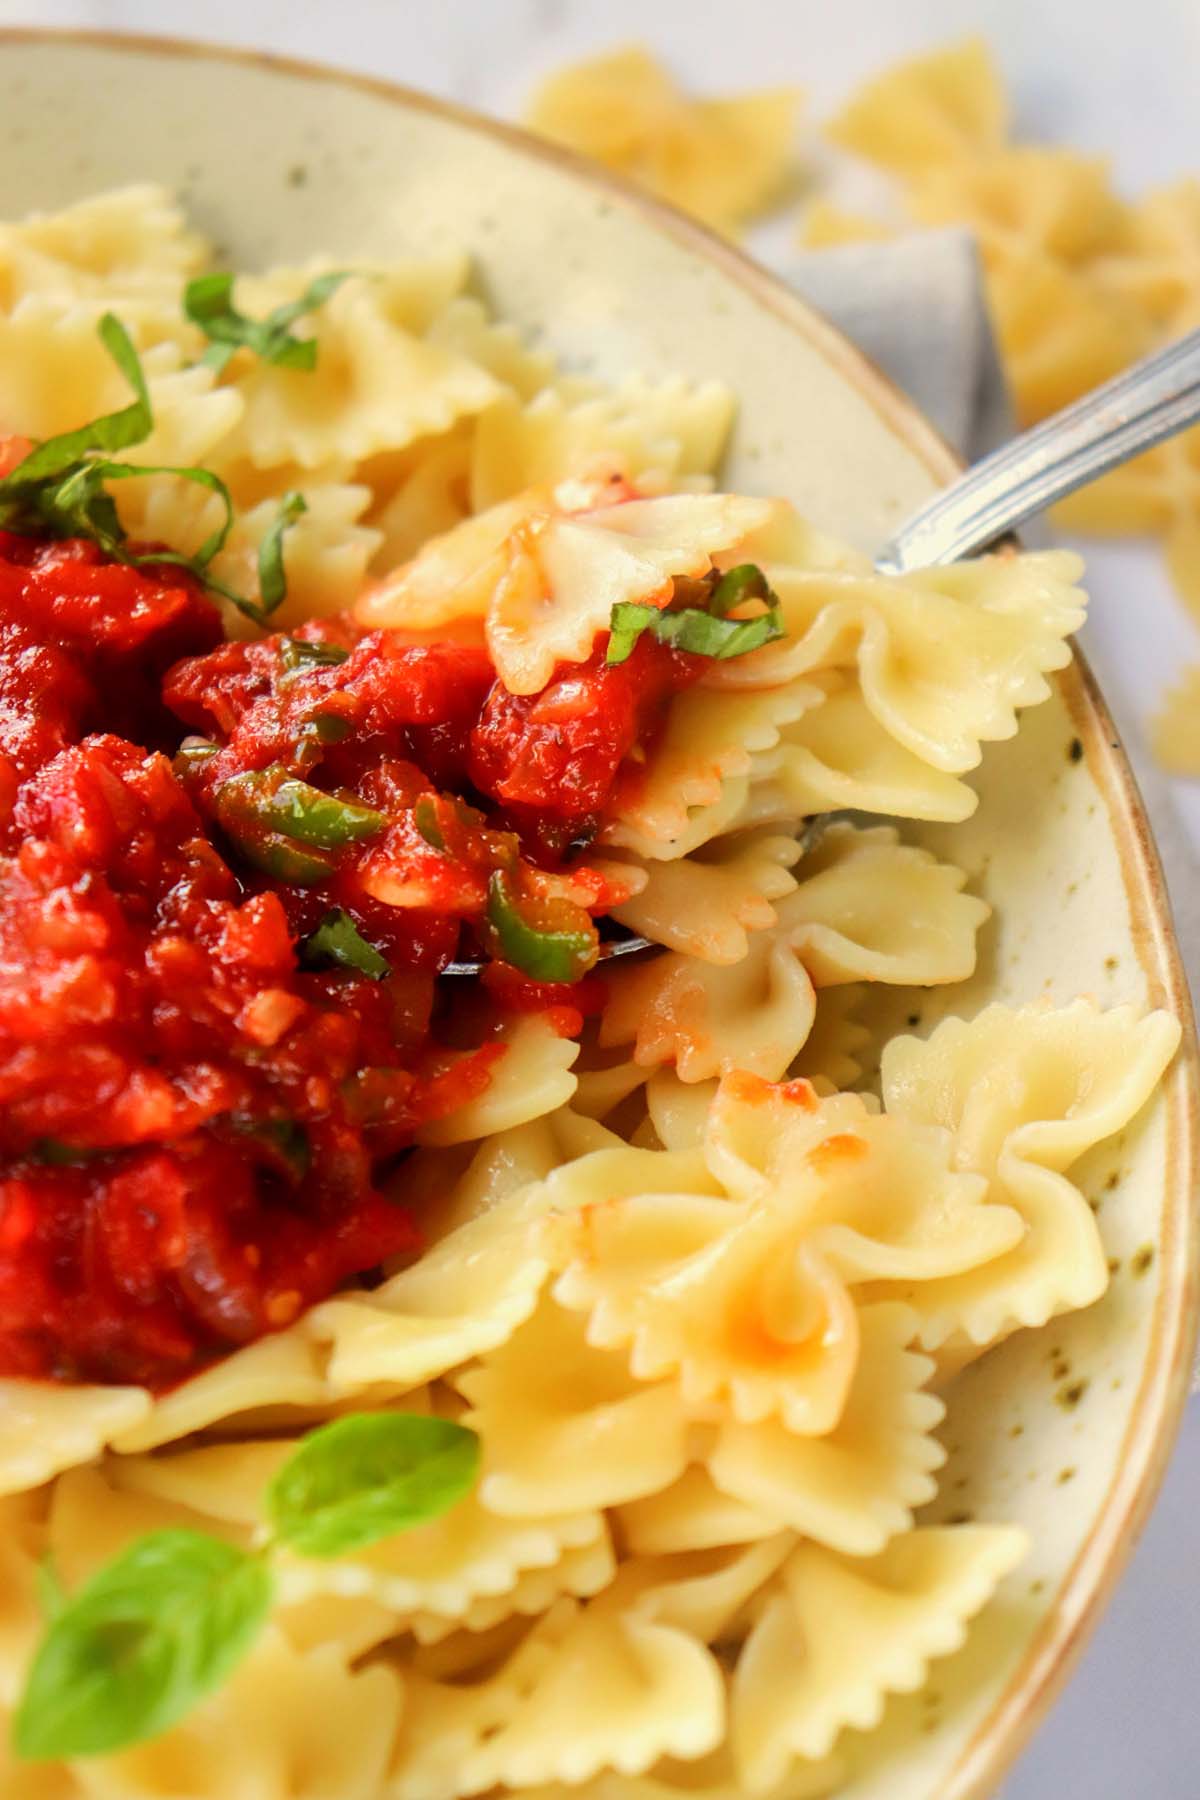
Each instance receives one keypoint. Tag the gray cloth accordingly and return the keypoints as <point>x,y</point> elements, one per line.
<point>916,307</point>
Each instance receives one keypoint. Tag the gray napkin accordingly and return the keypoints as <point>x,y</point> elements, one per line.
<point>916,307</point>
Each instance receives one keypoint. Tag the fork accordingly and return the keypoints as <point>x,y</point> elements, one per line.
<point>1151,400</point>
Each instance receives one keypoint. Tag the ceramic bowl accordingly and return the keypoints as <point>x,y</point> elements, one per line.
<point>1066,1430</point>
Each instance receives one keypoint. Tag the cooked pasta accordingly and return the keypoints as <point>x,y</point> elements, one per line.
<point>688,1289</point>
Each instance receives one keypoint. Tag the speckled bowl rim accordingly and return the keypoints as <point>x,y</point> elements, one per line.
<point>1157,1410</point>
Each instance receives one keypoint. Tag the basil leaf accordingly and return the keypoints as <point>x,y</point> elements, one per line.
<point>208,303</point>
<point>337,939</point>
<point>297,654</point>
<point>736,586</point>
<point>79,507</point>
<point>146,1638</point>
<point>368,1476</point>
<point>272,581</point>
<point>114,431</point>
<point>699,633</point>
<point>702,631</point>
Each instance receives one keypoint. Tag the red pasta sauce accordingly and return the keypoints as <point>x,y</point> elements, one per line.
<point>201,1102</point>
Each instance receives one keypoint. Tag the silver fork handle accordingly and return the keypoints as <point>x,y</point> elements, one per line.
<point>1139,408</point>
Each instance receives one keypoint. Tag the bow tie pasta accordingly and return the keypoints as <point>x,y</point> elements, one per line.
<point>640,1229</point>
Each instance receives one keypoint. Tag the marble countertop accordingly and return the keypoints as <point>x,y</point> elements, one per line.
<point>1103,76</point>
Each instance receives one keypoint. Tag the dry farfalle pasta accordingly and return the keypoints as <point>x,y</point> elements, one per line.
<point>724,160</point>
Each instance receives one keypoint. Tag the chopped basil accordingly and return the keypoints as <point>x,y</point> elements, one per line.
<point>208,303</point>
<point>368,1476</point>
<point>272,581</point>
<point>114,431</point>
<point>698,630</point>
<point>60,488</point>
<point>171,1616</point>
<point>545,953</point>
<point>299,654</point>
<point>736,586</point>
<point>337,939</point>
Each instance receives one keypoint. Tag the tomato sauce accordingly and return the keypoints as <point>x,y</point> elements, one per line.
<point>229,876</point>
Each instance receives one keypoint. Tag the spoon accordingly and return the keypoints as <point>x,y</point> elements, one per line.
<point>1151,400</point>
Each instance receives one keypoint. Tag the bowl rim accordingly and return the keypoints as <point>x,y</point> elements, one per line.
<point>1053,1652</point>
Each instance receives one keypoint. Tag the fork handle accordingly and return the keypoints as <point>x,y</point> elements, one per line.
<point>1148,402</point>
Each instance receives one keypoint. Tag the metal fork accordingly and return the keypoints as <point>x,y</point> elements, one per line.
<point>1150,401</point>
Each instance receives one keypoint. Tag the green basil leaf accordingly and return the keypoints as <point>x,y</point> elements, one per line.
<point>208,303</point>
<point>140,1644</point>
<point>114,431</point>
<point>297,654</point>
<point>337,939</point>
<point>78,506</point>
<point>736,586</point>
<point>368,1476</point>
<point>272,581</point>
<point>697,632</point>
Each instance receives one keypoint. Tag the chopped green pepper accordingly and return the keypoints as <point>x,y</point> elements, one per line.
<point>281,803</point>
<point>192,754</point>
<point>297,654</point>
<point>548,951</point>
<point>337,939</point>
<point>425,818</point>
<point>282,859</point>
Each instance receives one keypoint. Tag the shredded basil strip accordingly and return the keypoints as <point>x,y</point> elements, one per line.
<point>114,431</point>
<point>60,488</point>
<point>736,586</point>
<point>208,303</point>
<point>702,631</point>
<point>697,632</point>
<point>337,939</point>
<point>272,582</point>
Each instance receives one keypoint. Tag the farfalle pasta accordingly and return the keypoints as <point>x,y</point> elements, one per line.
<point>501,660</point>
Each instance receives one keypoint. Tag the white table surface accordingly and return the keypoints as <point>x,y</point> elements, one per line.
<point>1107,76</point>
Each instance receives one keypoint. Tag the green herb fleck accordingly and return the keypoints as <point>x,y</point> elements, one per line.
<point>702,631</point>
<point>272,581</point>
<point>208,303</point>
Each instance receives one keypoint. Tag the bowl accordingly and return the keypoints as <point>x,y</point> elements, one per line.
<point>1066,1431</point>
